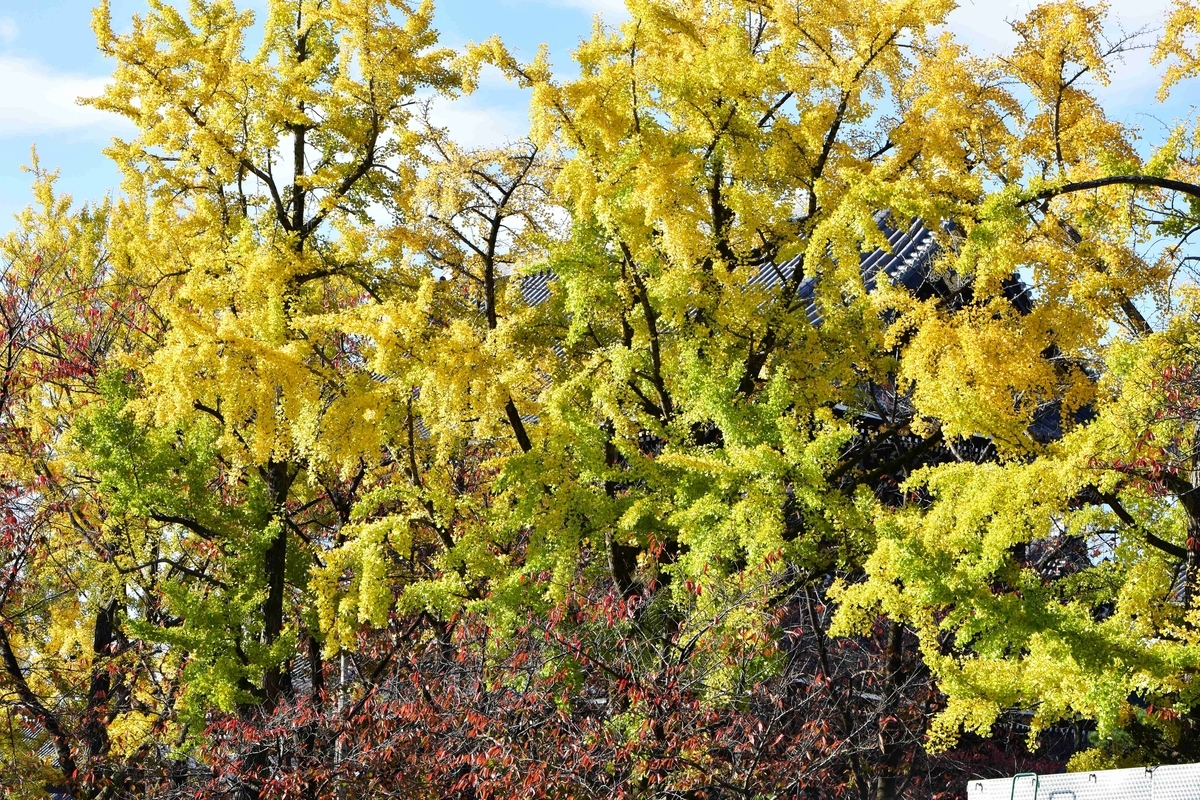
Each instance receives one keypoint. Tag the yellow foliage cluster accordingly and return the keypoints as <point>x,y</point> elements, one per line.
<point>327,396</point>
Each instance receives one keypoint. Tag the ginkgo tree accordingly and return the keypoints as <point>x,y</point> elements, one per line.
<point>695,445</point>
<point>592,433</point>
<point>1063,580</point>
<point>351,404</point>
<point>288,213</point>
<point>251,187</point>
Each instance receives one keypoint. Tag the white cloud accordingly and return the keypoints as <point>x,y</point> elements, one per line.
<point>984,23</point>
<point>493,81</point>
<point>8,30</point>
<point>473,123</point>
<point>37,100</point>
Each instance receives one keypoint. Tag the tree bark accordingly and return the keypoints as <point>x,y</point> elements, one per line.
<point>622,559</point>
<point>1191,569</point>
<point>886,777</point>
<point>95,730</point>
<point>279,483</point>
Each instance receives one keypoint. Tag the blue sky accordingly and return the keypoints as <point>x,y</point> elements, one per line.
<point>48,57</point>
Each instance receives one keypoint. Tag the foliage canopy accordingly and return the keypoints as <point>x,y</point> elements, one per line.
<point>338,457</point>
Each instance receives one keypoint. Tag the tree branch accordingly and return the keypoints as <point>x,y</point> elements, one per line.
<point>62,745</point>
<point>185,522</point>
<point>1150,181</point>
<point>1122,514</point>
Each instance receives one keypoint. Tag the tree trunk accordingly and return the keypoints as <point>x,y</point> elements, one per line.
<point>1192,561</point>
<point>886,775</point>
<point>95,729</point>
<point>622,559</point>
<point>274,569</point>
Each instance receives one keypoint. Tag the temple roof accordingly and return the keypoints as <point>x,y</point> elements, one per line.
<point>907,261</point>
